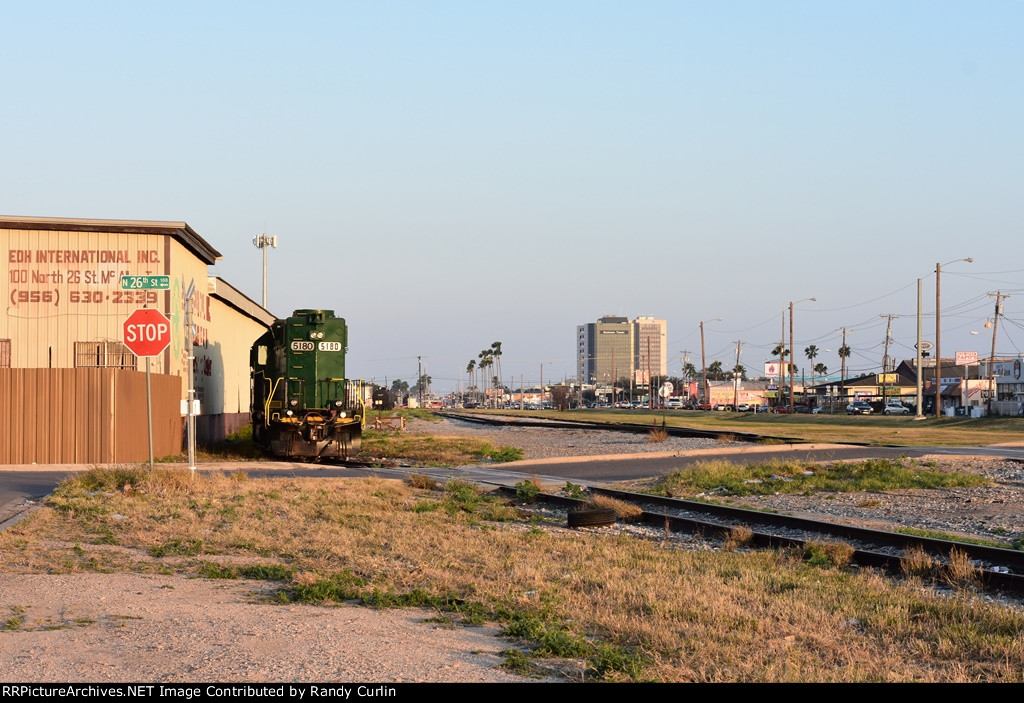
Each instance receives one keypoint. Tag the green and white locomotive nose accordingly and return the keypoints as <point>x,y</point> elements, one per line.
<point>303,405</point>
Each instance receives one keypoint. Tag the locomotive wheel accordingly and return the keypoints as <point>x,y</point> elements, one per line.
<point>596,517</point>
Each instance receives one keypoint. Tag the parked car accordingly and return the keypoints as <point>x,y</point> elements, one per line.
<point>744,408</point>
<point>858,407</point>
<point>674,403</point>
<point>895,407</point>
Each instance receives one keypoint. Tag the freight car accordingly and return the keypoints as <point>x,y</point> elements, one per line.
<point>302,404</point>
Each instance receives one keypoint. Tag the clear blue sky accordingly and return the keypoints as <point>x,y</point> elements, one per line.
<point>448,174</point>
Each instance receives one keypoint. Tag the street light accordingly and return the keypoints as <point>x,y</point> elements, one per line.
<point>791,383</point>
<point>938,329</point>
<point>703,364</point>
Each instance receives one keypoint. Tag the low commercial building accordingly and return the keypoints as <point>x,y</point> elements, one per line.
<point>61,339</point>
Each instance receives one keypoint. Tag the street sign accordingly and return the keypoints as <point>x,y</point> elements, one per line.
<point>145,282</point>
<point>147,332</point>
<point>666,389</point>
<point>925,345</point>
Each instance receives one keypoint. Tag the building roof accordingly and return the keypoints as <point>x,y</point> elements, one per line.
<point>179,230</point>
<point>228,294</point>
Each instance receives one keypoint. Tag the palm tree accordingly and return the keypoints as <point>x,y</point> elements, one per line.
<point>811,352</point>
<point>496,353</point>
<point>690,372</point>
<point>741,371</point>
<point>470,367</point>
<point>844,352</point>
<point>485,362</point>
<point>821,369</point>
<point>715,371</point>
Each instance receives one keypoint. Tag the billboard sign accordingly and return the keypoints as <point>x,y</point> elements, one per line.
<point>965,358</point>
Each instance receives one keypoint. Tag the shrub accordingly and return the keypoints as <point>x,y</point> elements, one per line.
<point>506,453</point>
<point>528,490</point>
<point>573,490</point>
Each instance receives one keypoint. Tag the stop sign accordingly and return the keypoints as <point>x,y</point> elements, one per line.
<point>147,332</point>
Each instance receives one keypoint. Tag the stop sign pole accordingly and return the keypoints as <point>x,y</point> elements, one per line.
<point>147,333</point>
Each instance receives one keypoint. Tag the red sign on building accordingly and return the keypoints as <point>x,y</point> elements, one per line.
<point>147,332</point>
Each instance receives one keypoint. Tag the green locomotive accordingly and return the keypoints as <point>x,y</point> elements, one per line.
<point>302,404</point>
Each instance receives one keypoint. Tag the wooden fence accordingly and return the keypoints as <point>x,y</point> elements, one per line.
<point>86,415</point>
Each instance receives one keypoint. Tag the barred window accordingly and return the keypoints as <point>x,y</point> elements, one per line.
<point>5,353</point>
<point>103,354</point>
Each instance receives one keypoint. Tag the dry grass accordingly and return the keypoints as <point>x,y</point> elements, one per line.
<point>432,450</point>
<point>726,438</point>
<point>428,483</point>
<point>829,554</point>
<point>739,536</point>
<point>960,571</point>
<point>796,476</point>
<point>627,607</point>
<point>627,512</point>
<point>917,563</point>
<point>657,435</point>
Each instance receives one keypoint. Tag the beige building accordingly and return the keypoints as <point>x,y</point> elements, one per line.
<point>619,347</point>
<point>651,348</point>
<point>65,307</point>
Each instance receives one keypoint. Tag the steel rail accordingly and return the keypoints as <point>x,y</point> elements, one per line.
<point>1006,582</point>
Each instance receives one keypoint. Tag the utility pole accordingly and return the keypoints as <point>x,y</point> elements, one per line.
<point>686,360</point>
<point>782,360</point>
<point>992,357</point>
<point>792,384</point>
<point>918,413</point>
<point>703,369</point>
<point>885,357</point>
<point>419,380</point>
<point>542,385</point>
<point>842,373</point>
<point>735,374</point>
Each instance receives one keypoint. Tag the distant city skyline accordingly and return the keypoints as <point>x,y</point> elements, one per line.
<point>444,175</point>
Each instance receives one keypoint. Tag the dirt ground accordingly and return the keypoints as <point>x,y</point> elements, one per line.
<point>131,627</point>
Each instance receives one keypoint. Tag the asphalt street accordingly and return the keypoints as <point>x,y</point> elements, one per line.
<point>19,486</point>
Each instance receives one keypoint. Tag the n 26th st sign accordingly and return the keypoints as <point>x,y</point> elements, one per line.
<point>147,332</point>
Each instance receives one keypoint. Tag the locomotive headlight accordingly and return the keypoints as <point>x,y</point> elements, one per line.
<point>338,403</point>
<point>342,414</point>
<point>293,402</point>
<point>289,413</point>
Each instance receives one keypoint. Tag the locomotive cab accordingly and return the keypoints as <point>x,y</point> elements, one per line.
<point>303,406</point>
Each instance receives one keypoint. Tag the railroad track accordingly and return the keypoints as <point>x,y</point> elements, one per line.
<point>633,428</point>
<point>998,569</point>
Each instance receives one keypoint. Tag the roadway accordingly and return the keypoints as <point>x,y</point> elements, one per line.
<point>21,484</point>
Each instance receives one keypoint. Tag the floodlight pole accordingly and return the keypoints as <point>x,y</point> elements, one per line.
<point>938,337</point>
<point>263,241</point>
